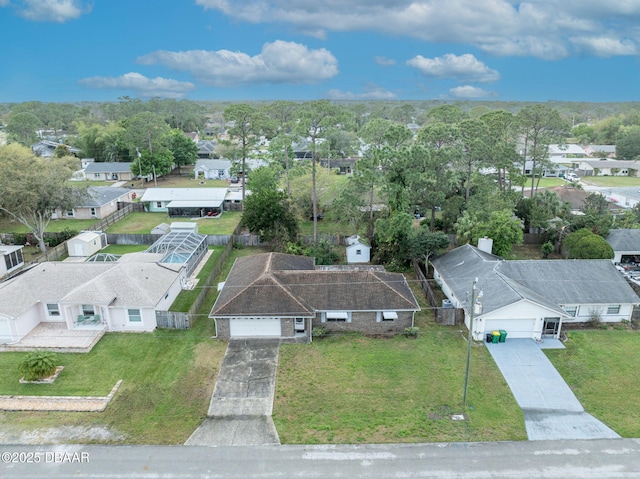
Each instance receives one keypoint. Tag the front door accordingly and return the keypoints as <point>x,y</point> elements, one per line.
<point>551,327</point>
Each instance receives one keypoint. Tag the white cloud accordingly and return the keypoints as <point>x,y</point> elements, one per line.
<point>370,93</point>
<point>58,11</point>
<point>384,61</point>
<point>278,62</point>
<point>540,28</point>
<point>143,86</point>
<point>469,92</point>
<point>605,46</point>
<point>463,67</point>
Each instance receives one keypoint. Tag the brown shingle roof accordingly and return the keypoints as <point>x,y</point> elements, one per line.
<point>287,285</point>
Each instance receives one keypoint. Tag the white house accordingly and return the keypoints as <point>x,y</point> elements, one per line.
<point>565,153</point>
<point>12,259</point>
<point>625,244</point>
<point>116,296</point>
<point>604,167</point>
<point>357,252</point>
<point>212,169</point>
<point>532,298</point>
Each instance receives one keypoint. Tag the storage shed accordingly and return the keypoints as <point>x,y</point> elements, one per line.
<point>357,252</point>
<point>87,243</point>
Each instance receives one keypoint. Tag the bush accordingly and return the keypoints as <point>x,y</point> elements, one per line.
<point>411,332</point>
<point>595,318</point>
<point>38,365</point>
<point>319,332</point>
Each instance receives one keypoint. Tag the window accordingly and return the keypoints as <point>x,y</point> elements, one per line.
<point>571,310</point>
<point>13,259</point>
<point>613,309</point>
<point>337,316</point>
<point>134,315</point>
<point>96,175</point>
<point>70,213</point>
<point>53,310</point>
<point>93,212</point>
<point>358,251</point>
<point>158,204</point>
<point>88,310</point>
<point>389,315</point>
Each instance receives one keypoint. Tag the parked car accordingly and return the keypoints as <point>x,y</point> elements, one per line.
<point>571,177</point>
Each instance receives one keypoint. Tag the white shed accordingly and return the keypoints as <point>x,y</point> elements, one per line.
<point>86,244</point>
<point>184,227</point>
<point>357,252</point>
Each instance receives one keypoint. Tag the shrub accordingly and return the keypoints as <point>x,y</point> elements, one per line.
<point>595,318</point>
<point>319,332</point>
<point>411,332</point>
<point>38,365</point>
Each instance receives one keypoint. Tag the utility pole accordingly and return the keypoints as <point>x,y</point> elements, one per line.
<point>472,308</point>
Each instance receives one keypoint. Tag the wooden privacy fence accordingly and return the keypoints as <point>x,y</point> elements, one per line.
<point>104,223</point>
<point>173,320</point>
<point>444,315</point>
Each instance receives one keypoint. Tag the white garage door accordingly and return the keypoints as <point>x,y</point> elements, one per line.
<point>5,332</point>
<point>515,328</point>
<point>242,328</point>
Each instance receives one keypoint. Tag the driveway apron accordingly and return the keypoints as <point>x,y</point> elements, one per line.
<point>242,401</point>
<point>551,410</point>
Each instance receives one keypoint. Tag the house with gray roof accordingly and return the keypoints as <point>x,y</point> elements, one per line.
<point>114,296</point>
<point>626,245</point>
<point>531,298</point>
<point>286,296</point>
<point>212,169</point>
<point>109,171</point>
<point>96,202</point>
<point>192,202</point>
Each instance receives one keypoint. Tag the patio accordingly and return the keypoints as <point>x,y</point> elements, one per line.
<point>56,337</point>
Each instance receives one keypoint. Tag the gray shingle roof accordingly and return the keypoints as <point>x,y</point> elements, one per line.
<point>275,284</point>
<point>548,282</point>
<point>624,239</point>
<point>108,167</point>
<point>101,195</point>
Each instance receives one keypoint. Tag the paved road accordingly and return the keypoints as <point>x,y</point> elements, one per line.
<point>551,410</point>
<point>596,459</point>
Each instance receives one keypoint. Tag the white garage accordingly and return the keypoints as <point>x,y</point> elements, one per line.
<point>5,331</point>
<point>515,328</point>
<point>252,327</point>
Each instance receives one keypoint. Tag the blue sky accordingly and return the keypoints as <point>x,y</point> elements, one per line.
<point>99,50</point>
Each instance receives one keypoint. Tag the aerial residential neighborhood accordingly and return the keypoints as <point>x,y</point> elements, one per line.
<point>284,239</point>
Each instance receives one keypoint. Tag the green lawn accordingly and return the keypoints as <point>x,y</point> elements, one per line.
<point>547,182</point>
<point>325,227</point>
<point>612,181</point>
<point>54,226</point>
<point>124,248</point>
<point>352,389</point>
<point>601,367</point>
<point>143,223</point>
<point>168,377</point>
<point>187,296</point>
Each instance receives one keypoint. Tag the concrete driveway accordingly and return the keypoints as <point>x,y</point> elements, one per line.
<point>242,402</point>
<point>551,410</point>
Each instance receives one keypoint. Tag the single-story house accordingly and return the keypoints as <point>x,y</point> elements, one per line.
<point>213,169</point>
<point>357,251</point>
<point>624,197</point>
<point>192,202</point>
<point>626,245</point>
<point>344,165</point>
<point>601,151</point>
<point>531,298</point>
<point>98,202</point>
<point>604,167</point>
<point>109,171</point>
<point>286,296</point>
<point>206,148</point>
<point>46,148</point>
<point>118,296</point>
<point>12,259</point>
<point>560,153</point>
<point>86,244</point>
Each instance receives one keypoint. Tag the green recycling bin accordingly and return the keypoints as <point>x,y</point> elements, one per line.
<point>503,335</point>
<point>496,337</point>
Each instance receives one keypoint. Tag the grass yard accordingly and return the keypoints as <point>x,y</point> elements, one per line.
<point>185,299</point>
<point>144,222</point>
<point>9,226</point>
<point>611,181</point>
<point>168,377</point>
<point>124,248</point>
<point>325,227</point>
<point>546,183</point>
<point>351,389</point>
<point>601,369</point>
